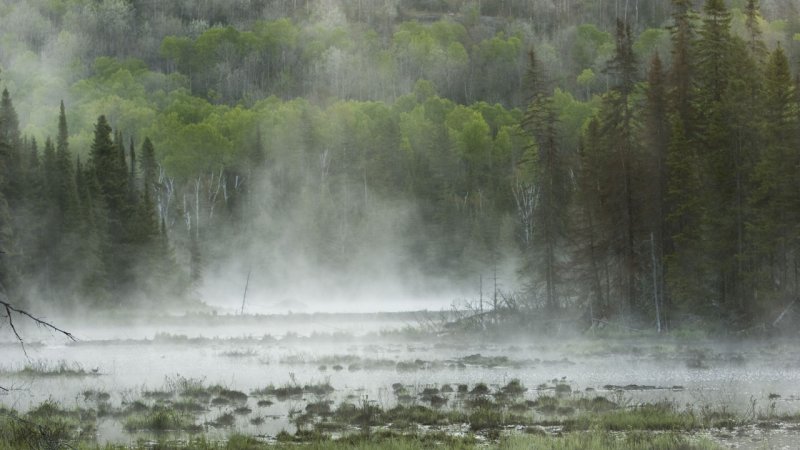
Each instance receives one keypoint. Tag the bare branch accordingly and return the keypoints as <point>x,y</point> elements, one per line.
<point>43,323</point>
<point>9,309</point>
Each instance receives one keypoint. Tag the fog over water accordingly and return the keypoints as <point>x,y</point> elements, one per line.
<point>476,223</point>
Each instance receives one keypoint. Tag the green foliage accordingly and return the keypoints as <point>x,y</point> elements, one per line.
<point>419,113</point>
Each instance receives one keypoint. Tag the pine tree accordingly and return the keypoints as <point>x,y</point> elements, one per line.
<point>589,226</point>
<point>656,135</point>
<point>66,192</point>
<point>755,44</point>
<point>713,53</point>
<point>132,181</point>
<point>49,168</point>
<point>722,137</point>
<point>686,270</point>
<point>681,73</point>
<point>10,191</point>
<point>96,245</point>
<point>149,188</point>
<point>10,145</point>
<point>112,186</point>
<point>621,168</point>
<point>776,199</point>
<point>31,218</point>
<point>149,168</point>
<point>551,180</point>
<point>111,175</point>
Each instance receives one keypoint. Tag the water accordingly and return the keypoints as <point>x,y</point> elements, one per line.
<point>251,353</point>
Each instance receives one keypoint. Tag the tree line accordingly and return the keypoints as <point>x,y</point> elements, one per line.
<point>684,190</point>
<point>666,198</point>
<point>81,233</point>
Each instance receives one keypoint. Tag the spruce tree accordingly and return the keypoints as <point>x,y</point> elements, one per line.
<point>686,263</point>
<point>755,44</point>
<point>551,181</point>
<point>112,186</point>
<point>622,168</point>
<point>681,75</point>
<point>10,144</point>
<point>589,227</point>
<point>721,137</point>
<point>776,199</point>
<point>9,189</point>
<point>656,136</point>
<point>66,192</point>
<point>132,181</point>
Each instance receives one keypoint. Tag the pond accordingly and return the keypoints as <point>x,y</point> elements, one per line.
<point>362,358</point>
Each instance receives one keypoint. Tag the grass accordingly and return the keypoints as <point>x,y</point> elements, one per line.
<point>594,440</point>
<point>46,426</point>
<point>661,416</point>
<point>482,413</point>
<point>160,421</point>
<point>293,390</point>
<point>59,369</point>
<point>597,440</point>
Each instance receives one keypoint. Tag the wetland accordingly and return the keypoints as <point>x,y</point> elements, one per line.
<point>248,381</point>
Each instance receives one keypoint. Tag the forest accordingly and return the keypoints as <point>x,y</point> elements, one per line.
<point>633,162</point>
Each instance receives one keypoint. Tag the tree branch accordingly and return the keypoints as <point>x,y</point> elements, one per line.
<point>42,323</point>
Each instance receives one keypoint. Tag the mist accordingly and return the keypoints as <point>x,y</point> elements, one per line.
<point>399,223</point>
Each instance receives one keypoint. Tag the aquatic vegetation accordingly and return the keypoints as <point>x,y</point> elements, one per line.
<point>514,387</point>
<point>662,416</point>
<point>241,353</point>
<point>485,361</point>
<point>598,440</point>
<point>480,389</point>
<point>294,390</point>
<point>95,396</point>
<point>48,369</point>
<point>161,420</point>
<point>224,420</point>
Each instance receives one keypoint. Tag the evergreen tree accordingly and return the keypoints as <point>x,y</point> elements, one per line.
<point>96,245</point>
<point>49,168</point>
<point>148,210</point>
<point>656,136</point>
<point>9,190</point>
<point>589,226</point>
<point>714,53</point>
<point>10,145</point>
<point>64,181</point>
<point>755,44</point>
<point>722,139</point>
<point>132,182</point>
<point>112,185</point>
<point>149,168</point>
<point>621,168</point>
<point>686,264</point>
<point>776,199</point>
<point>551,184</point>
<point>681,74</point>
<point>111,175</point>
<point>30,218</point>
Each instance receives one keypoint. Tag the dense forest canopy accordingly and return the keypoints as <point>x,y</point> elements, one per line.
<point>633,160</point>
